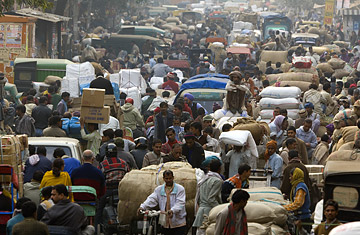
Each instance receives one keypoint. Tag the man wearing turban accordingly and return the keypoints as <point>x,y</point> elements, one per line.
<point>273,162</point>
<point>235,97</point>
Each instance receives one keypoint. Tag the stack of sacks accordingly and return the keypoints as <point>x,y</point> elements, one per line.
<point>301,80</point>
<point>264,211</point>
<point>344,155</point>
<point>137,185</point>
<point>155,82</point>
<point>274,57</point>
<point>311,70</point>
<point>348,134</point>
<point>221,113</point>
<point>338,66</point>
<point>283,97</point>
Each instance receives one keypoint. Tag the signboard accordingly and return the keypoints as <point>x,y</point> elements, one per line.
<point>329,12</point>
<point>13,35</point>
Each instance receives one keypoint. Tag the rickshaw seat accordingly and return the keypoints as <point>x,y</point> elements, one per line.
<point>88,206</point>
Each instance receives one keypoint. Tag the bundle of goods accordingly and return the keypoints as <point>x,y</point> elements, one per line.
<point>283,97</point>
<point>325,68</point>
<point>143,182</point>
<point>133,84</point>
<point>257,129</point>
<point>12,147</point>
<point>311,70</point>
<point>336,63</point>
<point>274,56</point>
<point>78,77</point>
<point>272,78</point>
<point>344,155</point>
<point>155,82</point>
<point>264,211</point>
<point>299,77</point>
<point>344,118</point>
<point>301,62</point>
<point>314,30</point>
<point>342,44</point>
<point>51,80</point>
<point>320,50</point>
<point>92,106</point>
<point>173,20</point>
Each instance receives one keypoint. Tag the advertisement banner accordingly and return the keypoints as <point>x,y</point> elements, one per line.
<point>13,35</point>
<point>329,12</point>
<point>2,35</point>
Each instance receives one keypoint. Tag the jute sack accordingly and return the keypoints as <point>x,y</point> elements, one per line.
<point>137,185</point>
<point>344,118</point>
<point>210,230</point>
<point>274,56</point>
<point>258,229</point>
<point>336,63</point>
<point>321,131</point>
<point>348,133</point>
<point>272,78</point>
<point>215,211</point>
<point>320,50</point>
<point>49,80</point>
<point>347,146</point>
<point>323,32</point>
<point>328,38</point>
<point>280,213</point>
<point>255,129</point>
<point>339,144</point>
<point>342,44</point>
<point>314,30</point>
<point>311,70</point>
<point>325,68</point>
<point>277,230</point>
<point>286,103</point>
<point>344,155</point>
<point>261,193</point>
<point>301,77</point>
<point>304,86</point>
<point>258,212</point>
<point>268,114</point>
<point>340,73</point>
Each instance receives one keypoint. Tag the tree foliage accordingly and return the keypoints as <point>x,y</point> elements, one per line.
<point>7,5</point>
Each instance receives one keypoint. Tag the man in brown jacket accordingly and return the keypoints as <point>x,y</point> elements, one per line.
<point>300,145</point>
<point>321,152</point>
<point>331,210</point>
<point>294,162</point>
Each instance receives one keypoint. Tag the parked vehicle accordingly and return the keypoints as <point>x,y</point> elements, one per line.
<point>28,70</point>
<point>305,39</point>
<point>342,185</point>
<point>71,146</point>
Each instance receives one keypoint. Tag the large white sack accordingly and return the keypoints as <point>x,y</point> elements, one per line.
<point>277,230</point>
<point>280,92</point>
<point>210,230</point>
<point>220,113</point>
<point>132,78</point>
<point>248,26</point>
<point>265,193</point>
<point>77,70</point>
<point>224,120</point>
<point>285,103</point>
<point>258,229</point>
<point>115,78</point>
<point>268,113</point>
<point>240,138</point>
<point>64,85</point>
<point>74,88</point>
<point>155,86</point>
<point>238,25</point>
<point>135,94</point>
<point>156,80</point>
<point>258,212</point>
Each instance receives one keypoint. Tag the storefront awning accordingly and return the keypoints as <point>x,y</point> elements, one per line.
<point>42,15</point>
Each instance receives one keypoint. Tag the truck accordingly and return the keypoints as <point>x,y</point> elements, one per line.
<point>274,22</point>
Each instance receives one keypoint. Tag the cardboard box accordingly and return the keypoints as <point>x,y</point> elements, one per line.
<point>96,115</point>
<point>92,97</point>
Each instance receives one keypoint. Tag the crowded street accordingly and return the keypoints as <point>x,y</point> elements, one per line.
<point>167,117</point>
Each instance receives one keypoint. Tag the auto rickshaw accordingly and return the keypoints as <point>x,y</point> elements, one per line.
<point>342,184</point>
<point>305,39</point>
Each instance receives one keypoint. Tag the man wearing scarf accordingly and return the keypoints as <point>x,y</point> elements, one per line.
<point>273,162</point>
<point>277,129</point>
<point>235,96</point>
<point>300,198</point>
<point>240,180</point>
<point>232,219</point>
<point>170,198</point>
<point>208,193</point>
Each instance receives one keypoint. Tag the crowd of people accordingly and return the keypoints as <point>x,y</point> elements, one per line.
<point>159,131</point>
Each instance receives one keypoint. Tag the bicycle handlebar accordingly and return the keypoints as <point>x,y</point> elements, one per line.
<point>150,213</point>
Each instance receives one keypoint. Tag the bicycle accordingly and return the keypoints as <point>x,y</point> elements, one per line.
<point>153,214</point>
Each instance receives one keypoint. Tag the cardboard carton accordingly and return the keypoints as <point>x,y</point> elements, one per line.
<point>96,115</point>
<point>92,97</point>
